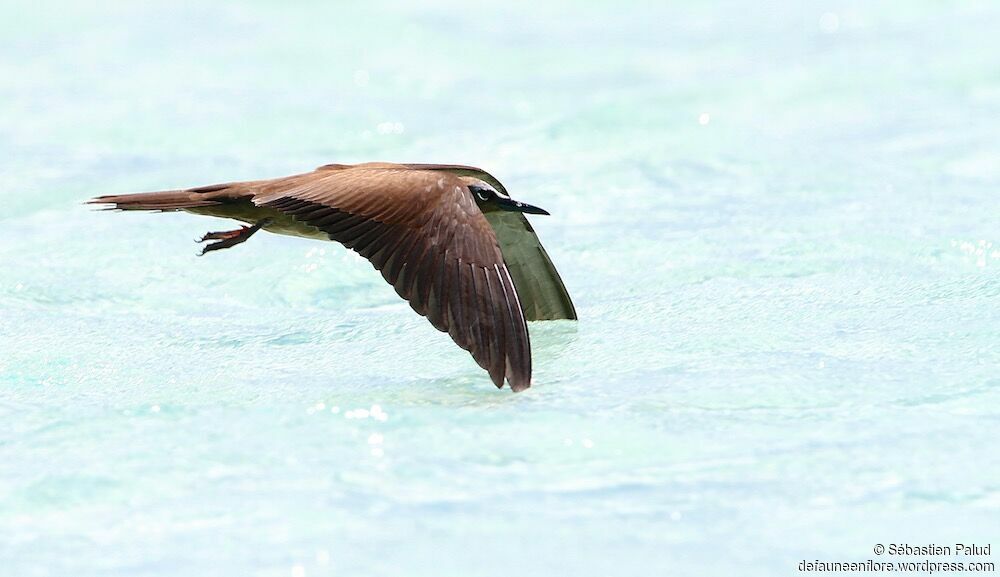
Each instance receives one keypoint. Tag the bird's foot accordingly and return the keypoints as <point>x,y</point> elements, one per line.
<point>230,238</point>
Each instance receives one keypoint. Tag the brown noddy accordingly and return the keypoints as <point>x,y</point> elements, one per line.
<point>448,238</point>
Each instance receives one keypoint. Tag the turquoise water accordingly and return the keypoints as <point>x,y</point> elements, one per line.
<point>779,222</point>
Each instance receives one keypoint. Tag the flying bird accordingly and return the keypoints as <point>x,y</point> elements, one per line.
<point>448,238</point>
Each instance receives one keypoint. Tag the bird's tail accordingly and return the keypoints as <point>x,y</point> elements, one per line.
<point>163,200</point>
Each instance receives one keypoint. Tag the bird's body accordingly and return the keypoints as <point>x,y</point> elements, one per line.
<point>447,237</point>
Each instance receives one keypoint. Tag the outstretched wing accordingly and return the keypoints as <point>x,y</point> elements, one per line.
<point>542,292</point>
<point>423,231</point>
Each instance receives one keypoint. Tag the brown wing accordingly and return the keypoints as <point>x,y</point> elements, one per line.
<point>431,242</point>
<point>539,286</point>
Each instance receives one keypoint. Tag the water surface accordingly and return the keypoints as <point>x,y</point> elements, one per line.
<point>778,221</point>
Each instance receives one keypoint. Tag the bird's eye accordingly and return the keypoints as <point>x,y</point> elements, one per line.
<point>482,193</point>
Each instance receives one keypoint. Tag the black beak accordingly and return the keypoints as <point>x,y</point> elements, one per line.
<point>515,206</point>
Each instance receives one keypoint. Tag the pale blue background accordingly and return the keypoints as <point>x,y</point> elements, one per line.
<point>779,221</point>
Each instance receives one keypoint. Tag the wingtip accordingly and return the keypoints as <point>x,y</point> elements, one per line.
<point>517,386</point>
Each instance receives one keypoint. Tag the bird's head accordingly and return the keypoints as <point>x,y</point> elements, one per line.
<point>490,199</point>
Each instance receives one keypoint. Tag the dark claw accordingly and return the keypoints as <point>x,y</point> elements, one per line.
<point>230,238</point>
<point>223,235</point>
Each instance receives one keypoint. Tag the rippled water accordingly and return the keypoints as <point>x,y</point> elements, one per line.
<point>779,222</point>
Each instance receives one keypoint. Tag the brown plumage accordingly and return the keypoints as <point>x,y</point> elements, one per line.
<point>424,227</point>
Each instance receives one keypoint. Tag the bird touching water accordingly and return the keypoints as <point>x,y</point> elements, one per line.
<point>448,238</point>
